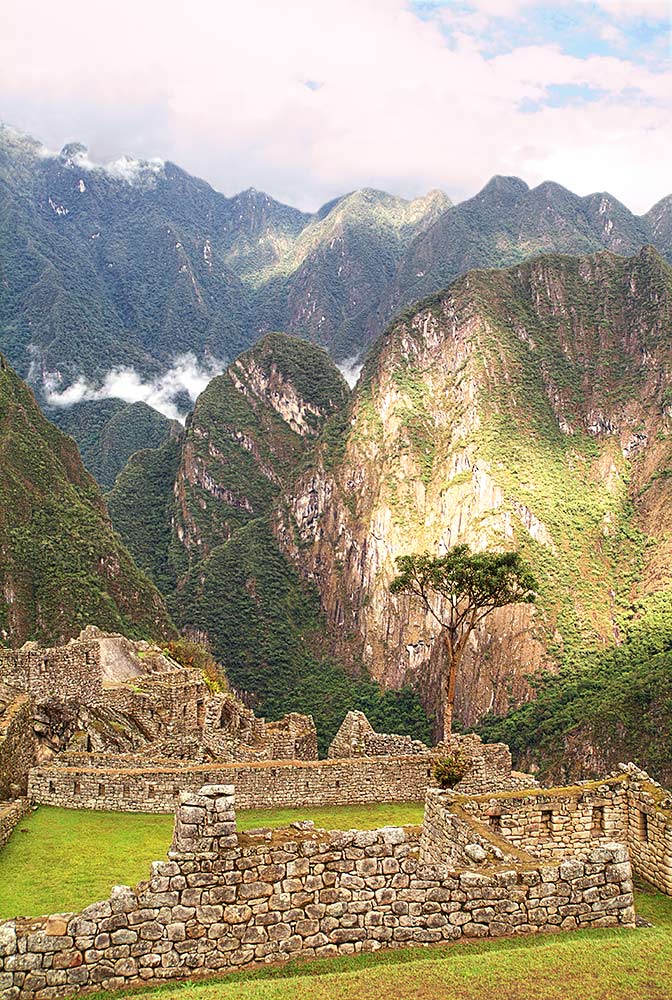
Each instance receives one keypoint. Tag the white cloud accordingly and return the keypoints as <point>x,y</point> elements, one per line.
<point>350,369</point>
<point>186,375</point>
<point>224,93</point>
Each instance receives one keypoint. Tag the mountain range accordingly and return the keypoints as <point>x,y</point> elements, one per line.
<point>136,262</point>
<point>516,392</point>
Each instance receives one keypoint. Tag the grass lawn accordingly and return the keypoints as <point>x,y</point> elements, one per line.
<point>68,858</point>
<point>60,860</point>
<point>581,965</point>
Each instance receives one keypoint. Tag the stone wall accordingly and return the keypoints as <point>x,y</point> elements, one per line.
<point>10,814</point>
<point>17,742</point>
<point>123,785</point>
<point>356,737</point>
<point>549,822</point>
<point>259,785</point>
<point>233,732</point>
<point>546,823</point>
<point>226,901</point>
<point>62,672</point>
<point>649,828</point>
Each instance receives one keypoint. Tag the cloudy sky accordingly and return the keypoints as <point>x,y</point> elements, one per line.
<point>307,99</point>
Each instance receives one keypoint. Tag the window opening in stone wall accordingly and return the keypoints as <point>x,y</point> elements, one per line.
<point>176,790</point>
<point>77,790</point>
<point>547,821</point>
<point>495,822</point>
<point>126,792</point>
<point>598,821</point>
<point>338,784</point>
<point>101,790</point>
<point>52,786</point>
<point>643,826</point>
<point>151,791</point>
<point>200,714</point>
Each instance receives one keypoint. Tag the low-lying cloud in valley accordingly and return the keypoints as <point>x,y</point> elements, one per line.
<point>350,369</point>
<point>187,376</point>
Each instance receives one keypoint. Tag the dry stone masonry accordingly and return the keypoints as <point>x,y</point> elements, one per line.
<point>226,900</point>
<point>104,694</point>
<point>118,783</point>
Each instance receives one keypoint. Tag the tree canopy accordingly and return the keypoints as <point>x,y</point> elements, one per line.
<point>472,585</point>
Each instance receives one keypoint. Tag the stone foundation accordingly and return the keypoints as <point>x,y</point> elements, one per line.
<point>226,901</point>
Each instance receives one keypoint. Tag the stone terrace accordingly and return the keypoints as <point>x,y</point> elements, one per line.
<point>226,900</point>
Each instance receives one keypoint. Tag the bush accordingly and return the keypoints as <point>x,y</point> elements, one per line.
<point>451,769</point>
<point>198,657</point>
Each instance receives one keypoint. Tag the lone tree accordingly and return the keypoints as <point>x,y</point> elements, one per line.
<point>472,584</point>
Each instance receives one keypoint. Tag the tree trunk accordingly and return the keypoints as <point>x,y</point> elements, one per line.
<point>448,688</point>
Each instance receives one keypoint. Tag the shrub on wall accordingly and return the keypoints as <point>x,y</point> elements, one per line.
<point>450,770</point>
<point>198,657</point>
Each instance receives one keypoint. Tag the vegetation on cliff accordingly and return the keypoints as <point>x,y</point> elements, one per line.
<point>109,431</point>
<point>615,706</point>
<point>266,627</point>
<point>61,563</point>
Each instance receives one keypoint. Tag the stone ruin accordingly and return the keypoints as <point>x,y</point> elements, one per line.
<point>356,737</point>
<point>501,863</point>
<point>496,855</point>
<point>103,722</point>
<point>102,696</point>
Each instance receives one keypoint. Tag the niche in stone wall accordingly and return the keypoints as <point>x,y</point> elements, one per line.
<point>597,828</point>
<point>495,821</point>
<point>642,826</point>
<point>546,823</point>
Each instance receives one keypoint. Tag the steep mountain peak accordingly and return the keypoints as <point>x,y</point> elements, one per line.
<point>298,379</point>
<point>503,187</point>
<point>553,194</point>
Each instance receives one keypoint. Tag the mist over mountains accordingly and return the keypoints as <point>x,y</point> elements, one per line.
<point>138,280</point>
<point>510,358</point>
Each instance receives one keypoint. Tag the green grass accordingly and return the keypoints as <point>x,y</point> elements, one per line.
<point>582,965</point>
<point>69,858</point>
<point>60,860</point>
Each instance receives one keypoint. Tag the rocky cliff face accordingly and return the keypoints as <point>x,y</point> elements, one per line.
<point>246,435</point>
<point>521,408</point>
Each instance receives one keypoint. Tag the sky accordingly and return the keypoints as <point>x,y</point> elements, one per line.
<point>309,99</point>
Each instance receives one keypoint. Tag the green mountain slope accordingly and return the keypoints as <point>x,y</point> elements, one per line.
<point>246,435</point>
<point>196,514</point>
<point>526,407</point>
<point>109,431</point>
<point>141,507</point>
<point>61,564</point>
<point>507,223</point>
